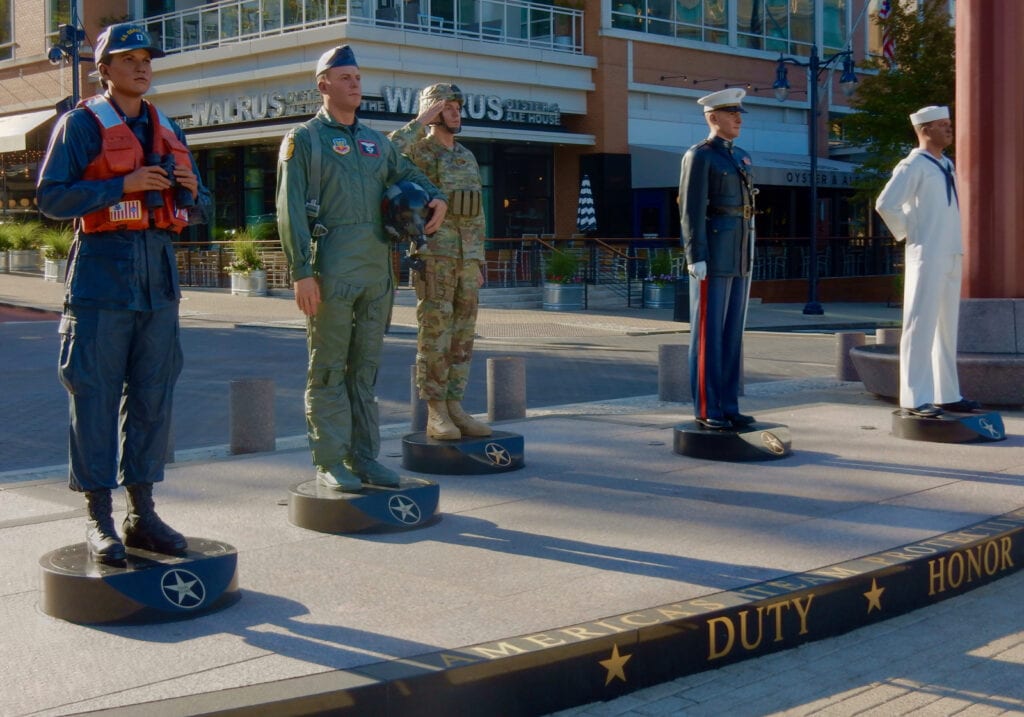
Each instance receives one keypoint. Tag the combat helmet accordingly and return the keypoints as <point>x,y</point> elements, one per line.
<point>404,207</point>
<point>447,91</point>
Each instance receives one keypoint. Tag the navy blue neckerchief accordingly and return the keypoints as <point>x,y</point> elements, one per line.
<point>950,182</point>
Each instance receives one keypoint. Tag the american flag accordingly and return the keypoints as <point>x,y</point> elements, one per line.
<point>126,211</point>
<point>888,43</point>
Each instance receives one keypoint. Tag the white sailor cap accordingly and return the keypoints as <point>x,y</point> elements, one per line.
<point>929,114</point>
<point>728,100</point>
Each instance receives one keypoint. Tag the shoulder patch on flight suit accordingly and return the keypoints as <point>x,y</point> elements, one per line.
<point>287,147</point>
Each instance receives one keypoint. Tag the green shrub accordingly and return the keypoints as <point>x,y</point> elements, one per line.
<point>561,268</point>
<point>246,249</point>
<point>25,235</point>
<point>57,242</point>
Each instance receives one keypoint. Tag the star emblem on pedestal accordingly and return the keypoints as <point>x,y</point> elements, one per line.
<point>182,588</point>
<point>874,596</point>
<point>404,509</point>
<point>498,454</point>
<point>616,666</point>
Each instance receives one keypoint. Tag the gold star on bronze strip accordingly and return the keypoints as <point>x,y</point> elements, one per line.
<point>615,665</point>
<point>874,596</point>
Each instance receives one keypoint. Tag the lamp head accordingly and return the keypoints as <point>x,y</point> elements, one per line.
<point>848,79</point>
<point>55,55</point>
<point>781,84</point>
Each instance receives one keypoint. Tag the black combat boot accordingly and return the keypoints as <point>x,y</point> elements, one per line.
<point>143,527</point>
<point>100,535</point>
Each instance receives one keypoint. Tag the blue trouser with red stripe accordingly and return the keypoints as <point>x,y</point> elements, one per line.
<point>718,310</point>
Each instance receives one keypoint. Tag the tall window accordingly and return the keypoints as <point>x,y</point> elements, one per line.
<point>58,12</point>
<point>777,25</point>
<point>700,20</point>
<point>6,29</point>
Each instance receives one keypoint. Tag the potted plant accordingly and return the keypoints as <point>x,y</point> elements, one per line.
<point>56,249</point>
<point>659,286</point>
<point>563,287</point>
<point>25,238</point>
<point>248,273</point>
<point>5,245</point>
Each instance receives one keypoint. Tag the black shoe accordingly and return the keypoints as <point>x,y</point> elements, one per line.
<point>373,472</point>
<point>101,538</point>
<point>149,532</point>
<point>144,529</point>
<point>714,424</point>
<point>925,410</point>
<point>739,419</point>
<point>964,405</point>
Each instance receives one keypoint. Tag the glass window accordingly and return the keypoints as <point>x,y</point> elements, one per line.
<point>58,12</point>
<point>701,20</point>
<point>834,25</point>
<point>777,25</point>
<point>6,30</point>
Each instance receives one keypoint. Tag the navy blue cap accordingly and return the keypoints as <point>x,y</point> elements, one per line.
<point>340,56</point>
<point>125,37</point>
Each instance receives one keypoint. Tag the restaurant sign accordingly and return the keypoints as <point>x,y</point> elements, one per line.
<point>392,101</point>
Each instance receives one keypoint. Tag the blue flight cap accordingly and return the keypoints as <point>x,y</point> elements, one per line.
<point>340,56</point>
<point>125,37</point>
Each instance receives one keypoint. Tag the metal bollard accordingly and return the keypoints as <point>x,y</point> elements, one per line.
<point>417,405</point>
<point>251,415</point>
<point>674,373</point>
<point>506,388</point>
<point>846,340</point>
<point>888,336</point>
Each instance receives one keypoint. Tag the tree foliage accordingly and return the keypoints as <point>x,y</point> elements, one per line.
<point>922,74</point>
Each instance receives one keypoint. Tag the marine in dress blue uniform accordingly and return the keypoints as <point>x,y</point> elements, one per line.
<point>716,202</point>
<point>120,353</point>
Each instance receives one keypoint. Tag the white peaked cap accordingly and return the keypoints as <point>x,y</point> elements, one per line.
<point>730,98</point>
<point>929,114</point>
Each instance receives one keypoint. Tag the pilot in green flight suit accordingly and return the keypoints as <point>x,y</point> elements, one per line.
<point>340,263</point>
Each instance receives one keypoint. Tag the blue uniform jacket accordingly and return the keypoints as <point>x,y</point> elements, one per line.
<point>715,184</point>
<point>131,270</point>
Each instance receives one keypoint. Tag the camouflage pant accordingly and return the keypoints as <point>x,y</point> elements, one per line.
<point>446,312</point>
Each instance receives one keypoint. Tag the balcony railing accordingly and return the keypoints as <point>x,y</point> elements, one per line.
<point>507,22</point>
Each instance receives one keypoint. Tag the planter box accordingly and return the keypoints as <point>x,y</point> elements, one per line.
<point>659,296</point>
<point>563,297</point>
<point>24,259</point>
<point>55,269</point>
<point>252,284</point>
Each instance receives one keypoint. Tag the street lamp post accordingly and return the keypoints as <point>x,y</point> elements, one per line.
<point>69,38</point>
<point>848,82</point>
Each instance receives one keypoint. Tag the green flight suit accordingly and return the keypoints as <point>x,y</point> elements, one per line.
<point>352,264</point>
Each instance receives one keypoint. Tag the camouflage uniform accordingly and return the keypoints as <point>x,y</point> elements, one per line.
<point>447,291</point>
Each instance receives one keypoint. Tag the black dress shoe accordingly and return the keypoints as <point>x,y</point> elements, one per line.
<point>714,424</point>
<point>739,419</point>
<point>964,405</point>
<point>925,410</point>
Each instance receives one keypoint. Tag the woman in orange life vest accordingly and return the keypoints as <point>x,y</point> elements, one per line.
<point>123,172</point>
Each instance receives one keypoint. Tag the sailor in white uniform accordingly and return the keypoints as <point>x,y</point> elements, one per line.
<point>920,204</point>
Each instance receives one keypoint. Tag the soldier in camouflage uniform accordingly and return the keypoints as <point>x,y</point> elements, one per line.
<point>448,288</point>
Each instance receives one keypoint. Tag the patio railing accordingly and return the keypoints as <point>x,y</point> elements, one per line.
<point>508,22</point>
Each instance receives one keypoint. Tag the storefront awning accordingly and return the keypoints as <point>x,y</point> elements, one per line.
<point>14,128</point>
<point>658,166</point>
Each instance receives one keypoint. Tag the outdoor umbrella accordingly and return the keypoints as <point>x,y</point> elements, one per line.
<point>586,219</point>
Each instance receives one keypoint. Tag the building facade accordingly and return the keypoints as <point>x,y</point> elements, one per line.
<point>555,91</point>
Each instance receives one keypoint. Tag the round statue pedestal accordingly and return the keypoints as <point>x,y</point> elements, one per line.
<point>315,507</point>
<point>499,452</point>
<point>949,427</point>
<point>756,442</point>
<point>147,587</point>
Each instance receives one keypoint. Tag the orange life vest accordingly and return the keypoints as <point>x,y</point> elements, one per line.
<point>121,154</point>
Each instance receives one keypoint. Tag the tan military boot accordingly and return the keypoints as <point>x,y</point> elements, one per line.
<point>466,423</point>
<point>439,423</point>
